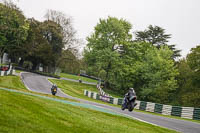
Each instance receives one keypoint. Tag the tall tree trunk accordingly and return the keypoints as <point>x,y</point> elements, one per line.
<point>107,74</point>
<point>1,55</point>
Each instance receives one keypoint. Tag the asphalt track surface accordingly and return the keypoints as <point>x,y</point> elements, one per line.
<point>38,83</point>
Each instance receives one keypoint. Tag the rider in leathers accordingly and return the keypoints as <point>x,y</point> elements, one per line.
<point>130,93</point>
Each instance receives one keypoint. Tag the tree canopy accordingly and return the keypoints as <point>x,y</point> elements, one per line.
<point>122,63</point>
<point>13,29</point>
<point>156,36</point>
<point>104,45</point>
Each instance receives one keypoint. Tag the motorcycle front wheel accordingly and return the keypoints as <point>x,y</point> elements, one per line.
<point>123,107</point>
<point>131,106</point>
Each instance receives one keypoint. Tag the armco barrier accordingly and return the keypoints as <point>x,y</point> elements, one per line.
<point>184,112</point>
<point>138,105</point>
<point>167,109</point>
<point>143,105</point>
<point>10,71</point>
<point>176,111</point>
<point>4,73</point>
<point>196,114</point>
<point>150,107</point>
<point>158,108</point>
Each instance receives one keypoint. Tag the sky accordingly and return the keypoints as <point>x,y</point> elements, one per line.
<point>180,18</point>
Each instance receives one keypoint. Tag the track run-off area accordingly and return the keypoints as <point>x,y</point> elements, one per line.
<point>38,83</point>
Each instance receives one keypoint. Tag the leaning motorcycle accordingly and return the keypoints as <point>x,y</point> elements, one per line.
<point>54,90</point>
<point>129,103</point>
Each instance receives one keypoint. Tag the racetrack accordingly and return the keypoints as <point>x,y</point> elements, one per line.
<point>40,84</point>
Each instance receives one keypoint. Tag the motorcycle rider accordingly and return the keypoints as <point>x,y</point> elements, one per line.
<point>131,92</point>
<point>52,88</point>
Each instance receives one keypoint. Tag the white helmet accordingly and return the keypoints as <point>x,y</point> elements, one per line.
<point>131,89</point>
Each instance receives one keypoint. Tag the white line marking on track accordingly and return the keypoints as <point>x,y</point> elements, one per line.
<point>24,81</point>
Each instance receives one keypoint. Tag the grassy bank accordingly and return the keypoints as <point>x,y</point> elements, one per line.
<point>22,113</point>
<point>76,77</point>
<point>76,89</point>
<point>12,82</point>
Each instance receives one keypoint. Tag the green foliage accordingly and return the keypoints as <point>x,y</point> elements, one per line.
<point>150,71</point>
<point>69,63</point>
<point>27,65</point>
<point>159,75</point>
<point>123,63</point>
<point>189,79</point>
<point>156,35</point>
<point>194,58</point>
<point>104,45</point>
<point>13,29</point>
<point>44,43</point>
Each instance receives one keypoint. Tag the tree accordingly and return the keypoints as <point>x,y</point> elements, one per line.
<point>194,58</point>
<point>36,48</point>
<point>44,44</point>
<point>150,71</point>
<point>69,63</point>
<point>188,92</point>
<point>102,51</point>
<point>159,74</point>
<point>13,29</point>
<point>156,35</point>
<point>68,31</point>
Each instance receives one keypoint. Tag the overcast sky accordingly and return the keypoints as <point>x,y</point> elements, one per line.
<point>181,18</point>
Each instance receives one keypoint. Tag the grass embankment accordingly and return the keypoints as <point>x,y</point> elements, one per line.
<point>76,77</point>
<point>77,90</point>
<point>12,82</point>
<point>18,71</point>
<point>22,113</point>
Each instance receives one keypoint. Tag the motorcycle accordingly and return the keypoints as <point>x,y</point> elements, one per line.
<point>129,102</point>
<point>54,90</point>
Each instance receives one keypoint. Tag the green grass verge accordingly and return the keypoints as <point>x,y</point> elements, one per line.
<point>22,113</point>
<point>18,71</point>
<point>70,76</point>
<point>12,82</point>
